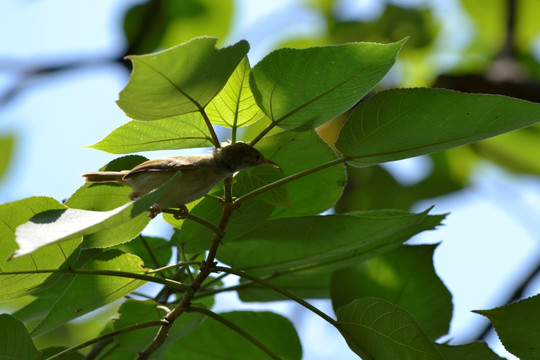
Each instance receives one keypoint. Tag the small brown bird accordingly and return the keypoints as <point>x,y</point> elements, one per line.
<point>200,173</point>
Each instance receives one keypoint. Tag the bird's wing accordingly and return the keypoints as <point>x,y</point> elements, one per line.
<point>164,164</point>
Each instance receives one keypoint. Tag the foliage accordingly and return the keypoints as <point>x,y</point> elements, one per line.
<point>72,258</point>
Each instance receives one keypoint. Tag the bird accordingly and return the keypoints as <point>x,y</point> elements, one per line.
<point>199,174</point>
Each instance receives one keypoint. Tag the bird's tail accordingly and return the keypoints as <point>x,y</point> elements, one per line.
<point>104,176</point>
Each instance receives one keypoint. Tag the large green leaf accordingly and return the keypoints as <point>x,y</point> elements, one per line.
<point>517,326</point>
<point>379,329</point>
<point>295,152</point>
<point>178,132</point>
<point>299,89</point>
<point>180,80</point>
<point>213,340</point>
<point>235,105</point>
<point>402,123</point>
<point>106,197</point>
<point>289,243</point>
<point>16,343</point>
<point>89,292</point>
<point>53,256</point>
<point>307,284</point>
<point>472,351</point>
<point>134,312</point>
<point>399,276</point>
<point>58,225</point>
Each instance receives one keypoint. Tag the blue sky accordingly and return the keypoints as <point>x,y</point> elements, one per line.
<point>486,241</point>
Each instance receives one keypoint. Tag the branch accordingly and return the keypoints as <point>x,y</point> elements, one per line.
<point>167,282</point>
<point>290,178</point>
<point>105,336</point>
<point>236,329</point>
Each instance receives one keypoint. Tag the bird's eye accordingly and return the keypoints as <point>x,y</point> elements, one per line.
<point>258,158</point>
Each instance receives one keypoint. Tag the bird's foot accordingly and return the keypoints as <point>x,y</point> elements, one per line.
<point>154,210</point>
<point>182,212</point>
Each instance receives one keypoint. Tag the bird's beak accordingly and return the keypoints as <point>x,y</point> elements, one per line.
<point>270,163</point>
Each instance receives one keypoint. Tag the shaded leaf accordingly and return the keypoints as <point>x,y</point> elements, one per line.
<point>235,105</point>
<point>178,132</point>
<point>517,326</point>
<point>89,292</point>
<point>16,341</point>
<point>299,89</point>
<point>54,256</point>
<point>379,329</point>
<point>155,252</point>
<point>305,241</point>
<point>473,351</point>
<point>402,123</point>
<point>182,79</point>
<point>57,225</point>
<point>311,194</point>
<point>134,312</point>
<point>400,276</point>
<point>274,331</point>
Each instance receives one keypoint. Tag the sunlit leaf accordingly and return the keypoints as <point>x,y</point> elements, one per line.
<point>299,89</point>
<point>181,79</point>
<point>178,132</point>
<point>53,256</point>
<point>379,329</point>
<point>402,123</point>
<point>235,105</point>
<point>6,149</point>
<point>57,225</point>
<point>89,292</point>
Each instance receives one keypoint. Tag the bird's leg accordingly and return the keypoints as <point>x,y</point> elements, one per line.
<point>133,196</point>
<point>154,210</point>
<point>182,213</point>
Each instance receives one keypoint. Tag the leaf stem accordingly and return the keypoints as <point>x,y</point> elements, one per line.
<point>129,275</point>
<point>279,290</point>
<point>195,218</point>
<point>236,329</point>
<point>105,336</point>
<point>174,266</point>
<point>290,178</point>
<point>265,131</point>
<point>210,127</point>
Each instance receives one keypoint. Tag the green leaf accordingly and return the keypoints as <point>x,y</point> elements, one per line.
<point>58,225</point>
<point>379,329</point>
<point>16,342</point>
<point>135,312</point>
<point>307,284</point>
<point>402,123</point>
<point>299,89</point>
<point>295,152</point>
<point>155,252</point>
<point>517,326</point>
<point>235,105</point>
<point>399,276</point>
<point>181,80</point>
<point>290,243</point>
<point>89,292</point>
<point>472,351</point>
<point>54,256</point>
<point>195,237</point>
<point>6,149</point>
<point>213,340</point>
<point>178,132</point>
<point>106,197</point>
